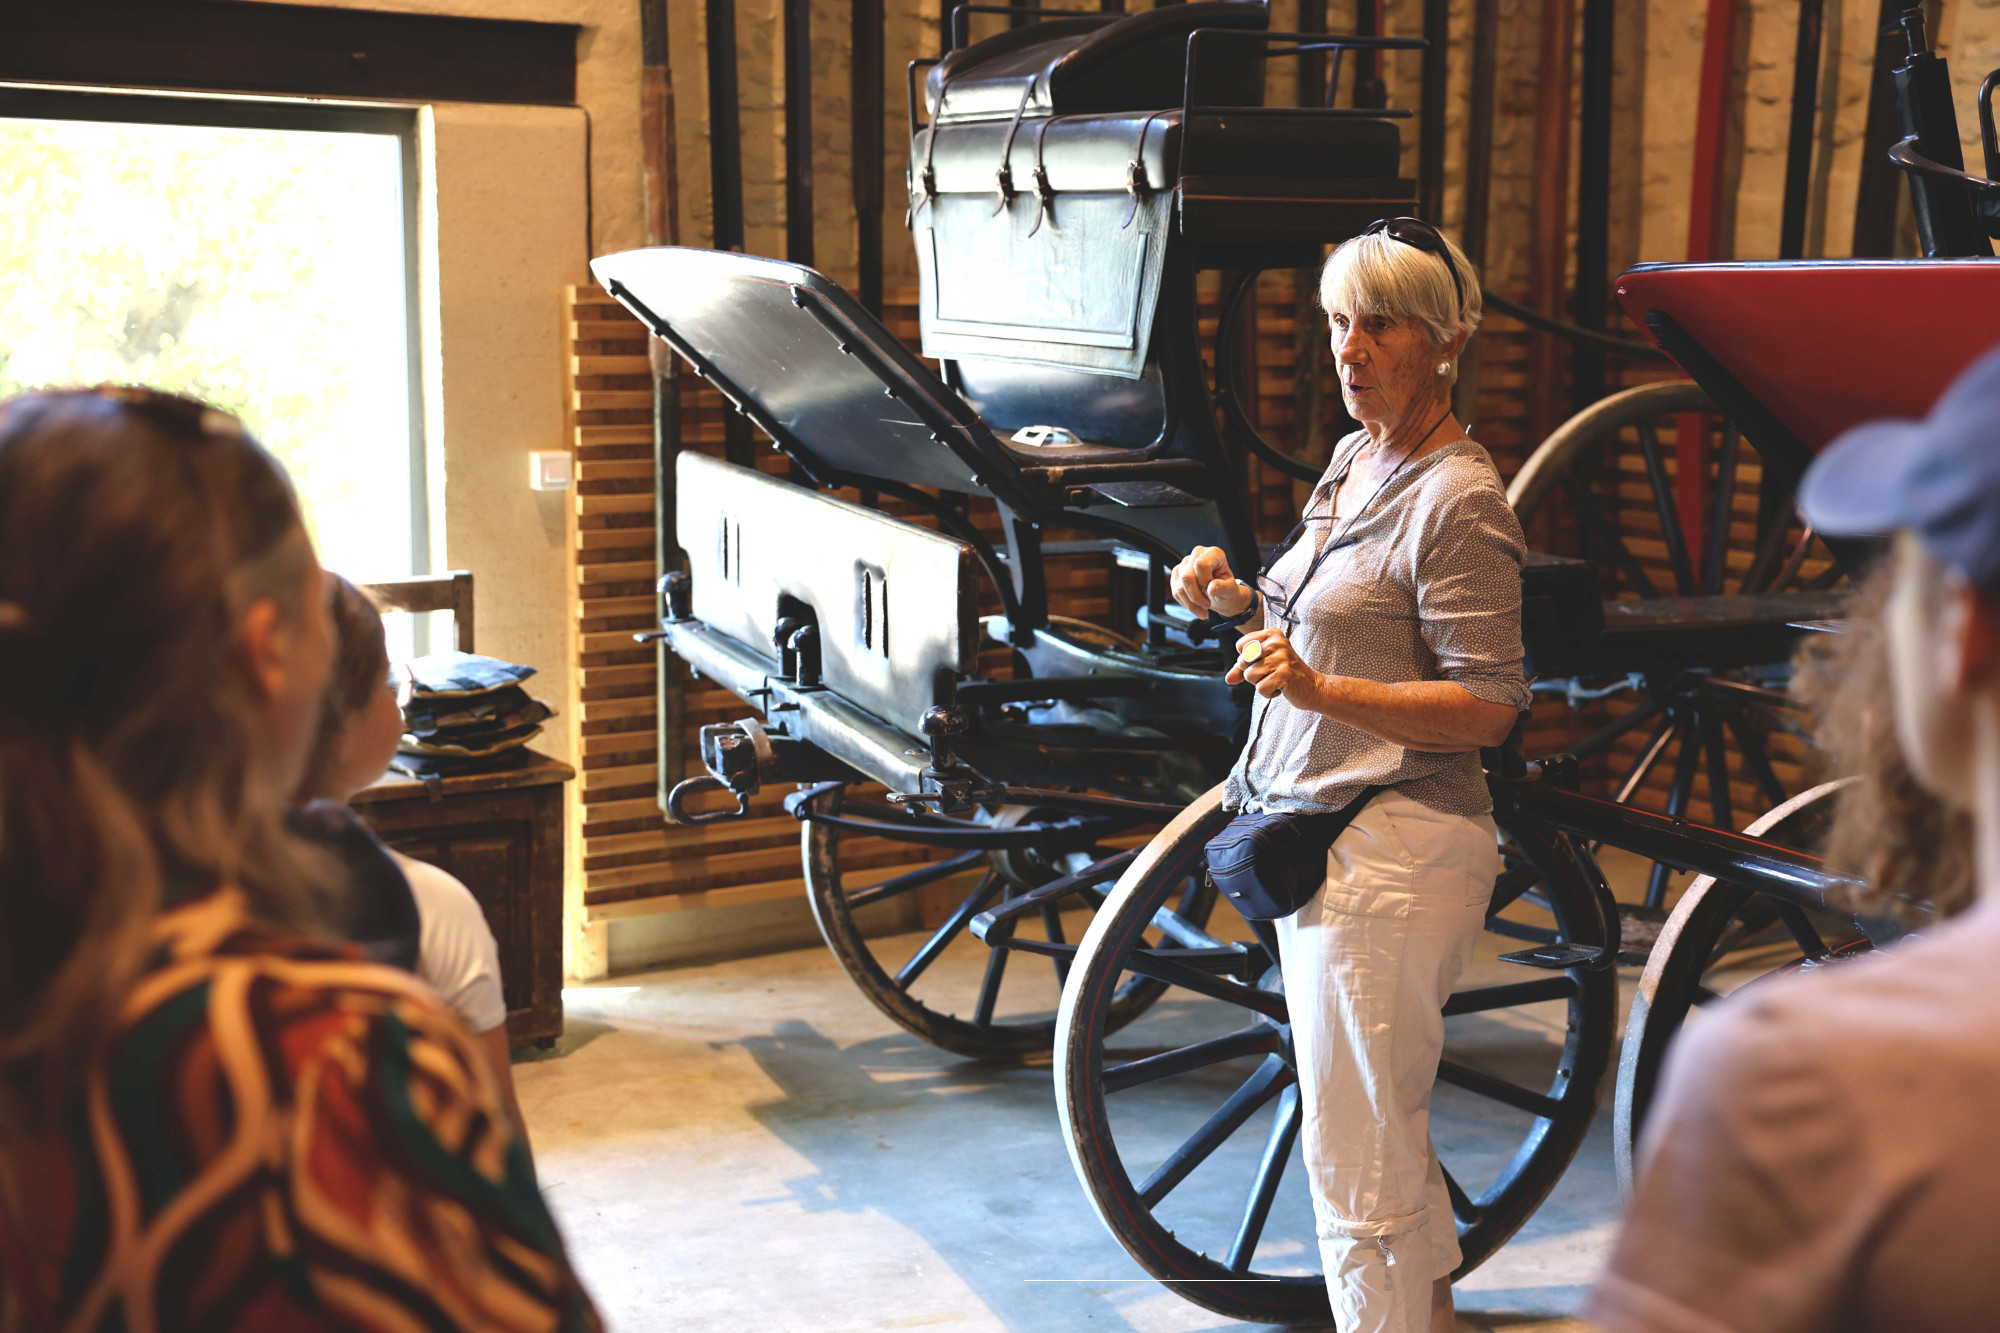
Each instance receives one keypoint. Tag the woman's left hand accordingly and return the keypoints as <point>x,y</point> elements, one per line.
<point>1277,670</point>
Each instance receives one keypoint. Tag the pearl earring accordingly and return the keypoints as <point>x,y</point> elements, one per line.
<point>1444,367</point>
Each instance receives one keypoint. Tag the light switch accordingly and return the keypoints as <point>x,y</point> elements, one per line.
<point>549,470</point>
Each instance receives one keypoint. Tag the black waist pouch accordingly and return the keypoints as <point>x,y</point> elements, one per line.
<point>1269,865</point>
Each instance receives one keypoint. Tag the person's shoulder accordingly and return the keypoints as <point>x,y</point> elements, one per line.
<point>1465,465</point>
<point>268,999</point>
<point>1460,491</point>
<point>1896,1026</point>
<point>1908,991</point>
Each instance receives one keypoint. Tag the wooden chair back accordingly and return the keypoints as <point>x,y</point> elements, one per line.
<point>451,591</point>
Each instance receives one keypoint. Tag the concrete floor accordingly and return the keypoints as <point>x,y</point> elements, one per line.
<point>748,1144</point>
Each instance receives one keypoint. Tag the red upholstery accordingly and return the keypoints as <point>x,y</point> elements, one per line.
<point>1826,344</point>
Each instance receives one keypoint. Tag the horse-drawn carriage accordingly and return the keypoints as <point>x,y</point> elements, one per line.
<point>1071,180</point>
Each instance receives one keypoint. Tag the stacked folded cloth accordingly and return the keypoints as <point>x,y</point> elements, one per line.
<point>466,713</point>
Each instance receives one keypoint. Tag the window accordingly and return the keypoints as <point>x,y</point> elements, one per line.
<point>260,256</point>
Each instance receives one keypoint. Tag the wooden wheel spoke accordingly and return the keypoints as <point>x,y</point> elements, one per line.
<point>1176,973</point>
<point>1052,923</point>
<point>1716,566</point>
<point>1669,512</point>
<point>1722,816</point>
<point>1182,931</point>
<point>1264,1189</point>
<point>1642,767</point>
<point>1758,760</point>
<point>1686,760</point>
<point>1777,521</point>
<point>1490,1086</point>
<point>1488,998</point>
<point>942,937</point>
<point>1600,530</point>
<point>914,879</point>
<point>1462,1206</point>
<point>1794,560</point>
<point>1702,994</point>
<point>1612,730</point>
<point>1271,1077</point>
<point>989,984</point>
<point>1801,927</point>
<point>1262,1039</point>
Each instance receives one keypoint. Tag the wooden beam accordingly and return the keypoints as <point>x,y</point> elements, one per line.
<point>290,50</point>
<point>1799,139</point>
<point>867,71</point>
<point>725,138</point>
<point>1551,209</point>
<point>1879,194</point>
<point>1430,123</point>
<point>1593,202</point>
<point>798,132</point>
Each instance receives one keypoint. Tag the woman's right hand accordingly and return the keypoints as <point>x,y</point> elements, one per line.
<point>1204,585</point>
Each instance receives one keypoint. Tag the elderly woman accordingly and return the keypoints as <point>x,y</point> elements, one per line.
<point>1385,645</point>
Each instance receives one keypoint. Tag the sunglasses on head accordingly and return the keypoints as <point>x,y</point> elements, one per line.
<point>1421,235</point>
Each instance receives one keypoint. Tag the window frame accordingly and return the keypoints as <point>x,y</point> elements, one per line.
<point>226,112</point>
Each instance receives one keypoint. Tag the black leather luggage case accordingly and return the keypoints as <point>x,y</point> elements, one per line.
<point>1064,159</point>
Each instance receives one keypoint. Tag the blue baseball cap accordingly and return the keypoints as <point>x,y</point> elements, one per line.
<point>1938,477</point>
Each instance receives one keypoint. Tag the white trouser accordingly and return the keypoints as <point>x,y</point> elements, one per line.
<point>1368,965</point>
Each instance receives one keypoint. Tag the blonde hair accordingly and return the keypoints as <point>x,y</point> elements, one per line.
<point>1912,848</point>
<point>1376,274</point>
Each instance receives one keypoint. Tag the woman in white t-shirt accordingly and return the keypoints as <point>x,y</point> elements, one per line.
<point>360,726</point>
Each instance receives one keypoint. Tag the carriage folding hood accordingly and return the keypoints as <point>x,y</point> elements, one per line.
<point>841,395</point>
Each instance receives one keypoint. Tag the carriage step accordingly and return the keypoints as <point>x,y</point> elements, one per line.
<point>1553,957</point>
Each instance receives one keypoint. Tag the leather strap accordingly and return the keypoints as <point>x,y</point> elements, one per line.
<point>1136,183</point>
<point>1003,175</point>
<point>928,177</point>
<point>1045,195</point>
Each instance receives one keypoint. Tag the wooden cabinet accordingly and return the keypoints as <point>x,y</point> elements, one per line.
<point>501,834</point>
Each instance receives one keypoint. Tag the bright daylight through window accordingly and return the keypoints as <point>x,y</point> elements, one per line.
<point>262,269</point>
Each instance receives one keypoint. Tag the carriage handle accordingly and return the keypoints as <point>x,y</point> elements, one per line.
<point>1905,155</point>
<point>1302,42</point>
<point>961,27</point>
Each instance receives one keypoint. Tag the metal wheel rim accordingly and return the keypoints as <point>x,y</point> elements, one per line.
<point>1000,1040</point>
<point>1092,1147</point>
<point>1676,964</point>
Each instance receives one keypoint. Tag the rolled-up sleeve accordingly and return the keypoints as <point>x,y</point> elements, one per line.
<point>1468,581</point>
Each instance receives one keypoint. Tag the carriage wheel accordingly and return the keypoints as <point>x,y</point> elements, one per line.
<point>1607,473</point>
<point>1009,1012</point>
<point>1720,938</point>
<point>1216,1053</point>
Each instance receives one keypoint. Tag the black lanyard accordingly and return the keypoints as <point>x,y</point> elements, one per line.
<point>1334,541</point>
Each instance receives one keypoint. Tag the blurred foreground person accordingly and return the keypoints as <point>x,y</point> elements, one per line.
<point>361,724</point>
<point>1825,1150</point>
<point>211,1116</point>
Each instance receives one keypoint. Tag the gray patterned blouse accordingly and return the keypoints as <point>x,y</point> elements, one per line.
<point>1425,584</point>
